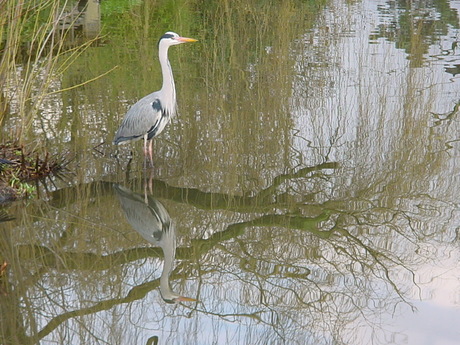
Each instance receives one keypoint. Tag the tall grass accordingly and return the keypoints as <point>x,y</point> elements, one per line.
<point>35,51</point>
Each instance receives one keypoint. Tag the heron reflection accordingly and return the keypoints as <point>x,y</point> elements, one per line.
<point>152,221</point>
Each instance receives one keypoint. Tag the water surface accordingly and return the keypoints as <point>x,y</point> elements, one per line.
<point>310,179</point>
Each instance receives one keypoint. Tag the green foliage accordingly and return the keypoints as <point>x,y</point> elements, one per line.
<point>114,7</point>
<point>22,188</point>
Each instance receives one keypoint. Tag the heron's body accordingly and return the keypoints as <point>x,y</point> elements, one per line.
<point>151,220</point>
<point>149,116</point>
<point>144,120</point>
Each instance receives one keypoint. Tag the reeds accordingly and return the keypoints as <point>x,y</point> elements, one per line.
<point>36,49</point>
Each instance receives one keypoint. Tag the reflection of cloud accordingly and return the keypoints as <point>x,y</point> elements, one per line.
<point>434,305</point>
<point>439,281</point>
<point>430,324</point>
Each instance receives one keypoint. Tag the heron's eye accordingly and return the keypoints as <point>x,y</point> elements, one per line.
<point>167,36</point>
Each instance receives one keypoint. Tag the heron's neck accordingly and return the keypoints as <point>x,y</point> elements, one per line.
<point>168,89</point>
<point>169,251</point>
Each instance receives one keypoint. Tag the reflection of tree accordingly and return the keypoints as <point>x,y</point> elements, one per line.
<point>42,259</point>
<point>415,25</point>
<point>327,286</point>
<point>203,200</point>
<point>285,269</point>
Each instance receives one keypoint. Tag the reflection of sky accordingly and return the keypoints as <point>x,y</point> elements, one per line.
<point>430,325</point>
<point>363,88</point>
<point>362,99</point>
<point>437,315</point>
<point>364,91</point>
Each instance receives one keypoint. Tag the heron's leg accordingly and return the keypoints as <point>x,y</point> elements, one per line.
<point>145,145</point>
<point>151,182</point>
<point>146,200</point>
<point>148,185</point>
<point>151,152</point>
<point>145,151</point>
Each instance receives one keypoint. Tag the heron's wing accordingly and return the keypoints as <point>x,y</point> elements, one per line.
<point>144,117</point>
<point>157,208</point>
<point>141,217</point>
<point>151,220</point>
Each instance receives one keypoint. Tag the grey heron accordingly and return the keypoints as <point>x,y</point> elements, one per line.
<point>152,221</point>
<point>148,117</point>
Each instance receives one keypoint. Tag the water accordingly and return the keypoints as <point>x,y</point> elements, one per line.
<point>310,179</point>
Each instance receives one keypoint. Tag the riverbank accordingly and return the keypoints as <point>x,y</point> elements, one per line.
<point>21,171</point>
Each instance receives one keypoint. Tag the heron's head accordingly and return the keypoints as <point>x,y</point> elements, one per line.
<point>175,298</point>
<point>171,38</point>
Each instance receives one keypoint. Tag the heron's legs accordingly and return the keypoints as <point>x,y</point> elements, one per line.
<point>145,152</point>
<point>148,152</point>
<point>148,185</point>
<point>151,152</point>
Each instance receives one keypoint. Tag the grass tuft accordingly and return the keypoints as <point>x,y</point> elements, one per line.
<point>21,171</point>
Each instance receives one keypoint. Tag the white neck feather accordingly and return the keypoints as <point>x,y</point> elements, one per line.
<point>168,89</point>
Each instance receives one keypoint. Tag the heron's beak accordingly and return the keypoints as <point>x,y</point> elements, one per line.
<point>185,39</point>
<point>185,299</point>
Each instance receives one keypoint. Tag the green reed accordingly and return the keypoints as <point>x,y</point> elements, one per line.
<point>36,49</point>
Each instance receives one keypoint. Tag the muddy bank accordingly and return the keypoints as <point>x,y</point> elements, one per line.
<point>22,170</point>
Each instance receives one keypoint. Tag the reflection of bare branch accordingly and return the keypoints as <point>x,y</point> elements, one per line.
<point>136,293</point>
<point>301,173</point>
<point>279,292</point>
<point>447,116</point>
<point>84,261</point>
<point>196,197</point>
<point>377,258</point>
<point>234,230</point>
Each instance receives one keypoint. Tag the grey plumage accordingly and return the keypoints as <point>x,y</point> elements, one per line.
<point>149,116</point>
<point>147,216</point>
<point>151,220</point>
